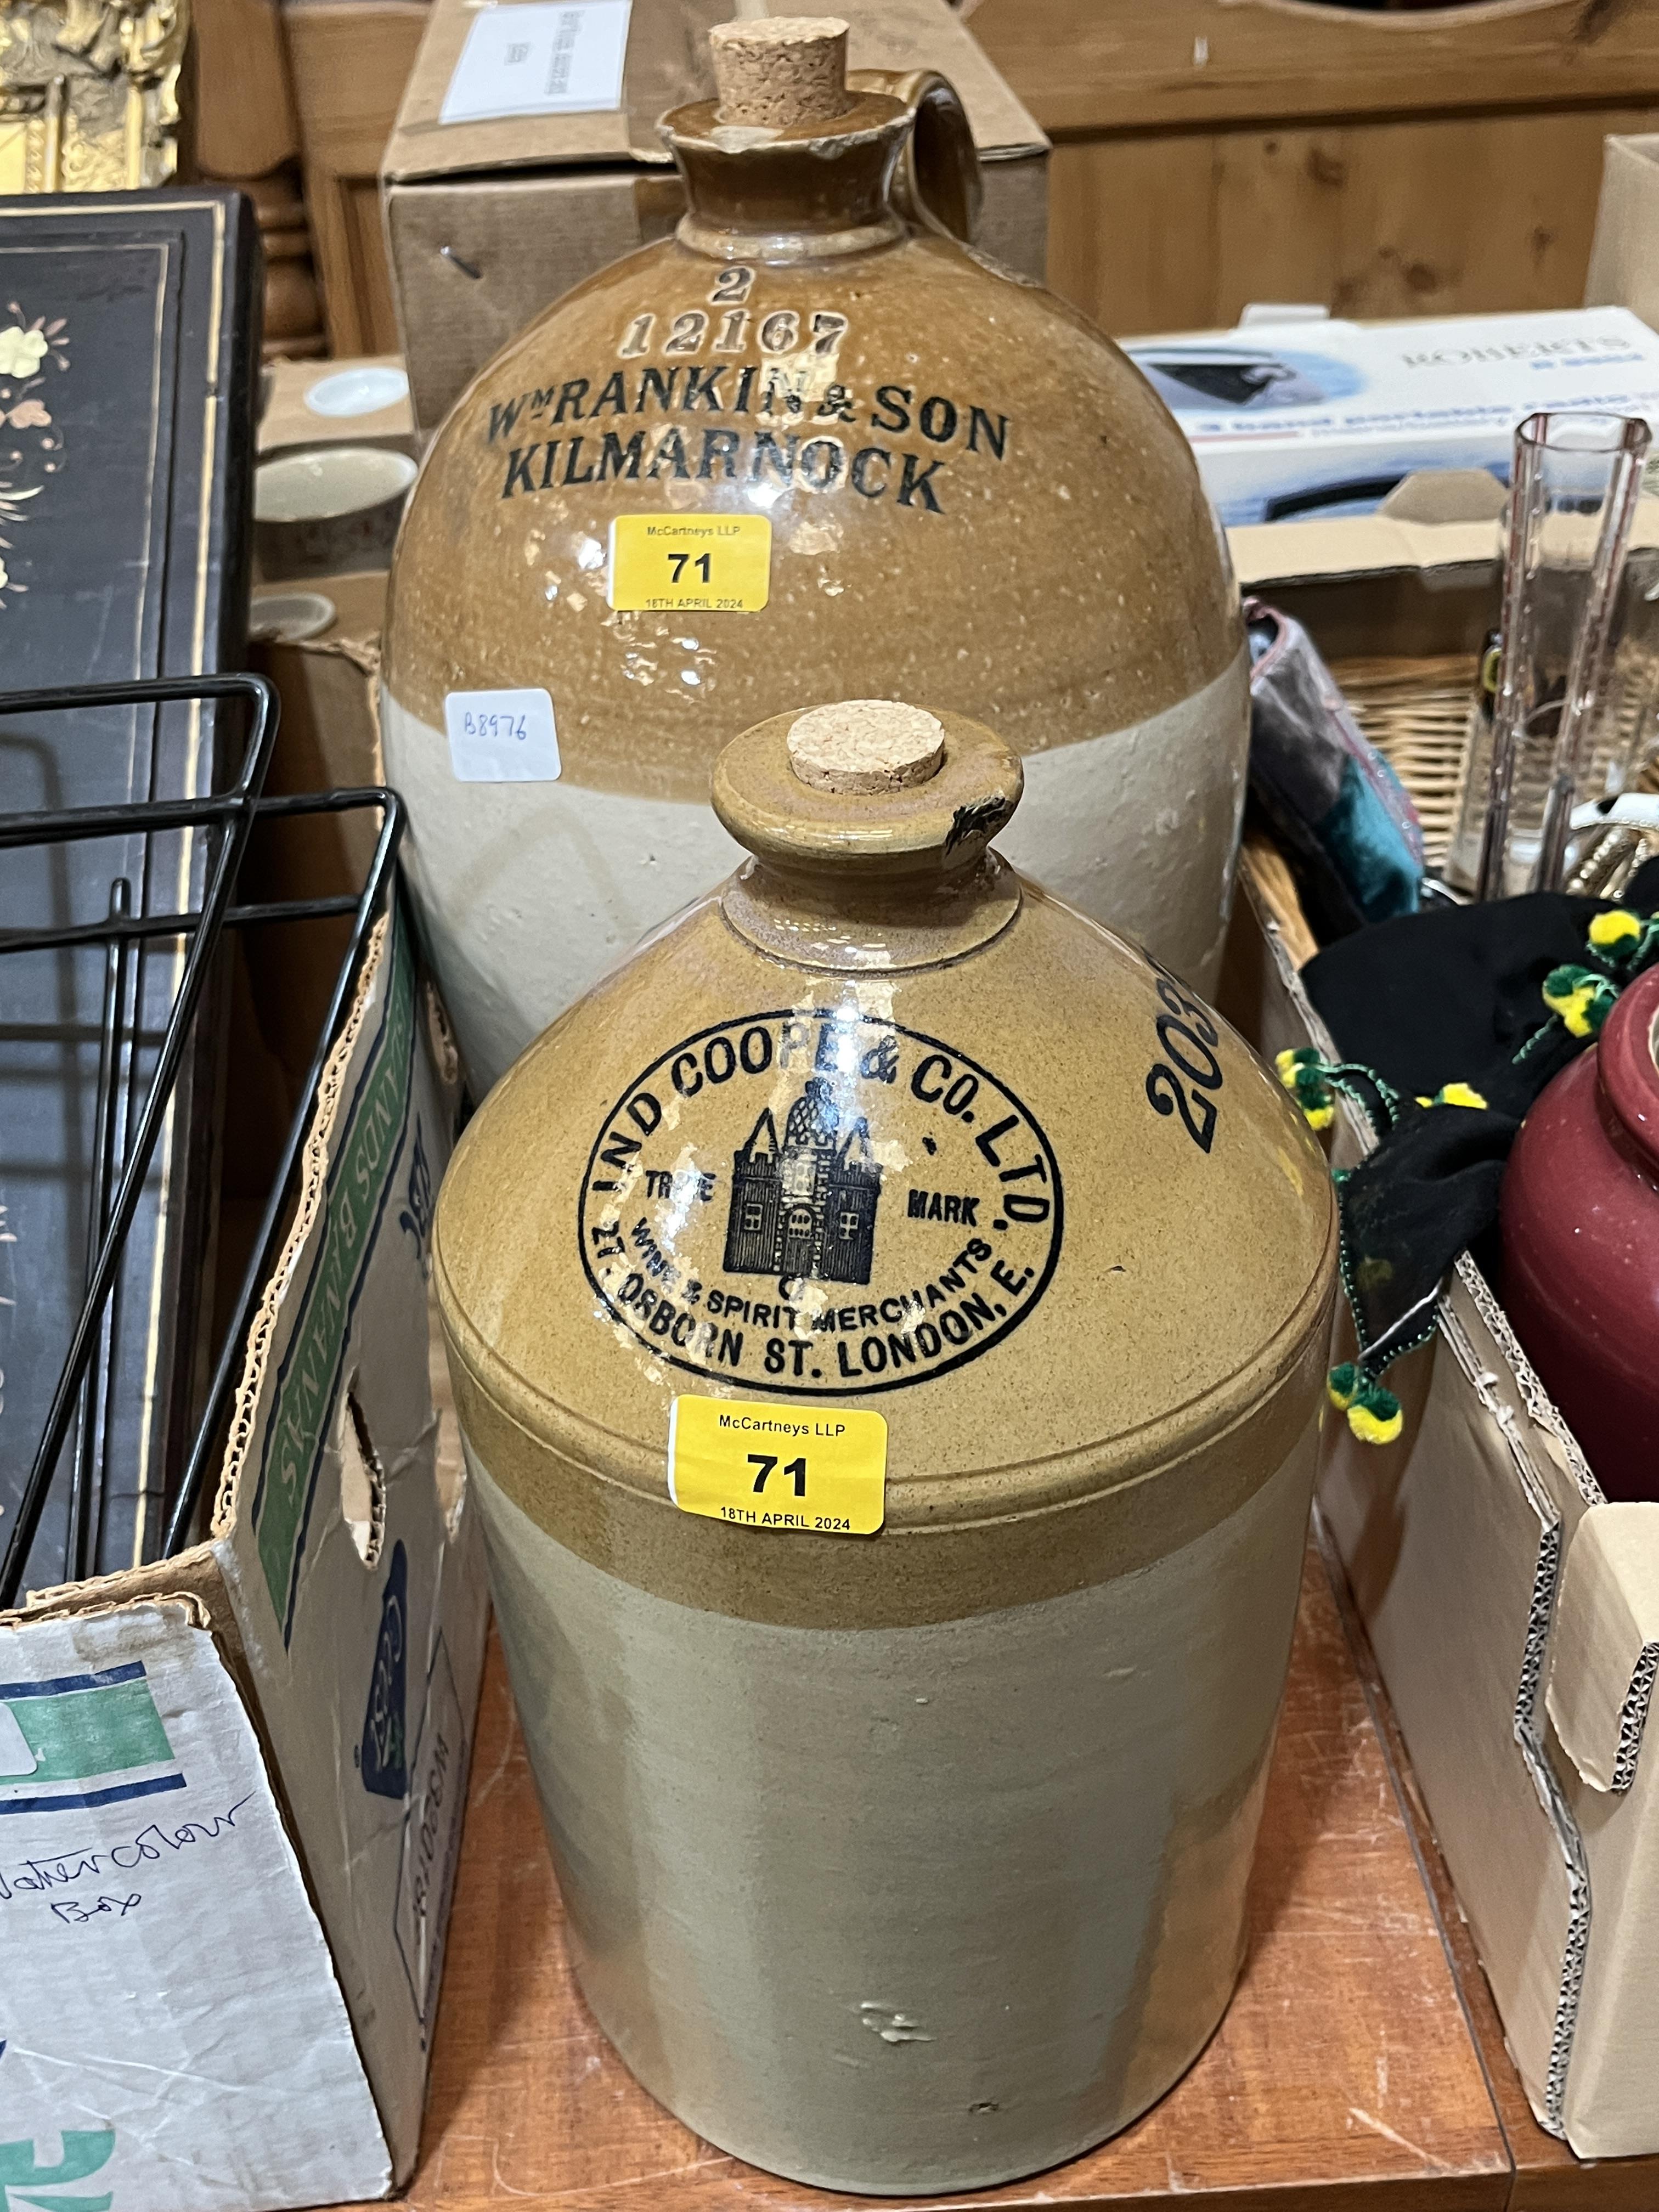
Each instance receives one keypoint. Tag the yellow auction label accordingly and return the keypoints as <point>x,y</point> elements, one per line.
<point>779,1466</point>
<point>703,563</point>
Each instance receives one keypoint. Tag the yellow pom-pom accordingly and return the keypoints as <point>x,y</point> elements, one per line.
<point>1617,927</point>
<point>1371,1430</point>
<point>1573,1006</point>
<point>1319,1117</point>
<point>1458,1094</point>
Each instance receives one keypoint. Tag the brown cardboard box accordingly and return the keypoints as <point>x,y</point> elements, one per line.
<point>362,402</point>
<point>1360,578</point>
<point>326,677</point>
<point>268,1734</point>
<point>489,221</point>
<point>1514,1613</point>
<point>1623,270</point>
<point>327,682</point>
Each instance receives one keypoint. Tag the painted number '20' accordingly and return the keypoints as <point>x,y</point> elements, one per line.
<point>1188,1037</point>
<point>767,1461</point>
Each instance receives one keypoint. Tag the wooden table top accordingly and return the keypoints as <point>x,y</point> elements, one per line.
<point>1360,2063</point>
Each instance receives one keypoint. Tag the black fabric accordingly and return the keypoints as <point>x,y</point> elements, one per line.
<point>1449,996</point>
<point>1435,997</point>
<point>1431,1190</point>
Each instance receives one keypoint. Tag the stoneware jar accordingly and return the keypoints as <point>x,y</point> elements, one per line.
<point>887,1320</point>
<point>1580,1219</point>
<point>804,446</point>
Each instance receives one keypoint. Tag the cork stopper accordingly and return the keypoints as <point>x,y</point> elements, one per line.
<point>866,745</point>
<point>775,70</point>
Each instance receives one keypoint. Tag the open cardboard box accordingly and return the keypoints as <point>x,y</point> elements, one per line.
<point>232,1783</point>
<point>489,220</point>
<point>360,401</point>
<point>1514,1613</point>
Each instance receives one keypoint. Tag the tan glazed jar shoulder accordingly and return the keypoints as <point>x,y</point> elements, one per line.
<point>970,498</point>
<point>912,1860</point>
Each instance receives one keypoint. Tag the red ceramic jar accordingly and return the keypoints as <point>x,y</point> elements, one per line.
<point>1580,1216</point>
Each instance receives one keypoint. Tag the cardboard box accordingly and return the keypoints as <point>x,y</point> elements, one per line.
<point>489,221</point>
<point>1325,418</point>
<point>328,681</point>
<point>1624,263</point>
<point>1436,583</point>
<point>1513,1612</point>
<point>231,1785</point>
<point>358,402</point>
<point>328,675</point>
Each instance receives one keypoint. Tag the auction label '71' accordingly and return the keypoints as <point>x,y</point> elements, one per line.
<point>704,563</point>
<point>771,1466</point>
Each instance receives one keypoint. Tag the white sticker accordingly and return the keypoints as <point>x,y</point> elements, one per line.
<point>501,736</point>
<point>540,58</point>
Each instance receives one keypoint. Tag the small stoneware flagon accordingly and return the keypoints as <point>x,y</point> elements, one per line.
<point>803,448</point>
<point>903,1802</point>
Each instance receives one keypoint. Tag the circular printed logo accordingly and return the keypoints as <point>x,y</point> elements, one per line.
<point>819,1203</point>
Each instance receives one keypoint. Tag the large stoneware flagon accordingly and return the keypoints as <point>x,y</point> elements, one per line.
<point>887,1319</point>
<point>805,446</point>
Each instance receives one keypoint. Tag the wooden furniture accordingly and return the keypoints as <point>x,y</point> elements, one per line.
<point>294,104</point>
<point>349,59</point>
<point>1210,153</point>
<point>245,132</point>
<point>1359,2066</point>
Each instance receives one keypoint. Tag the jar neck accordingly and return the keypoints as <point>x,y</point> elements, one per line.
<point>896,874</point>
<point>848,924</point>
<point>813,193</point>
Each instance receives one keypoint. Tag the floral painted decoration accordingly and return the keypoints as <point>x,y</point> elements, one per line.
<point>26,350</point>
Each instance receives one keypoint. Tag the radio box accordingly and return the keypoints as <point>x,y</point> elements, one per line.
<point>1302,421</point>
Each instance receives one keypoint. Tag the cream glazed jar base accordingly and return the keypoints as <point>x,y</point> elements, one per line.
<point>1115,1736</point>
<point>530,892</point>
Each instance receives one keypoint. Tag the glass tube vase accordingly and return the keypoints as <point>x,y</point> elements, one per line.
<point>1552,741</point>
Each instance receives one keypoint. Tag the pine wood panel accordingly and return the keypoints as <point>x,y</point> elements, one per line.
<point>1091,66</point>
<point>245,124</point>
<point>350,60</point>
<point>1437,215</point>
<point>244,132</point>
<point>1343,2075</point>
<point>345,218</point>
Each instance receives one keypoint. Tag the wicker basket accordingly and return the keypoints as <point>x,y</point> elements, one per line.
<point>1416,713</point>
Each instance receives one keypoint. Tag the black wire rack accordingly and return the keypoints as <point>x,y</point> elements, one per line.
<point>226,820</point>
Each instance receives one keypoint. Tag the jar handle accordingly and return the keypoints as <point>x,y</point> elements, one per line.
<point>937,186</point>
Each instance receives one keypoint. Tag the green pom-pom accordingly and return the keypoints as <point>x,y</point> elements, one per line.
<point>1299,1072</point>
<point>1582,999</point>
